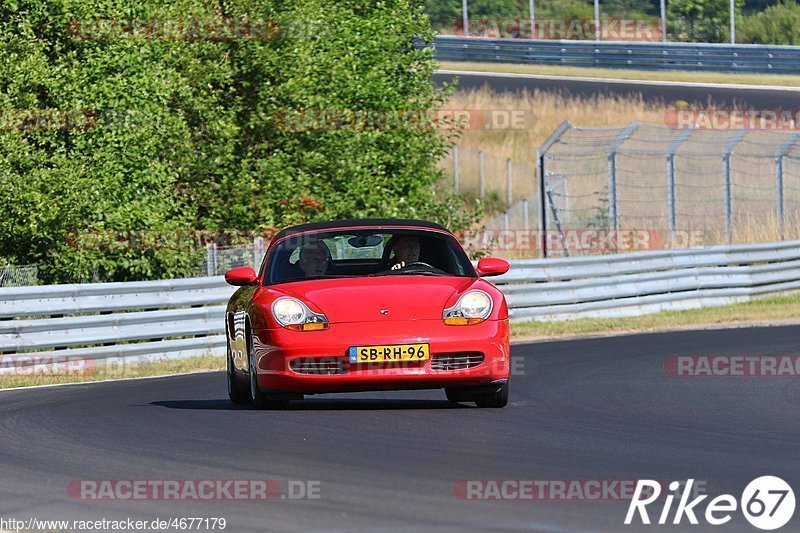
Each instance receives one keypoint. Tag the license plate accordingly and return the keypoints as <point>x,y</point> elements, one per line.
<point>395,352</point>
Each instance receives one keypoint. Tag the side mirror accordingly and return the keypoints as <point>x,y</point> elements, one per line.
<point>241,276</point>
<point>492,266</point>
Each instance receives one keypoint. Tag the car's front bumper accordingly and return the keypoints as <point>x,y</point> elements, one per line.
<point>279,351</point>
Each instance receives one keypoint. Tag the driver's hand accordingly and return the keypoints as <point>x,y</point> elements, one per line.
<point>399,265</point>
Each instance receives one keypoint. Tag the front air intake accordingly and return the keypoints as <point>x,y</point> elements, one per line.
<point>318,365</point>
<point>456,361</point>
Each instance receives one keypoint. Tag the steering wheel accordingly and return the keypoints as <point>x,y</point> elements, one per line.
<point>419,263</point>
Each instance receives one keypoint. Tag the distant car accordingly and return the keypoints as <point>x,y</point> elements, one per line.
<point>362,305</point>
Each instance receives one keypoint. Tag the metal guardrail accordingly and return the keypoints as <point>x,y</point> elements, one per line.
<point>182,318</point>
<point>754,58</point>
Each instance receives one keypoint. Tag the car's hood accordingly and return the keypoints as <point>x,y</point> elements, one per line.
<point>404,297</point>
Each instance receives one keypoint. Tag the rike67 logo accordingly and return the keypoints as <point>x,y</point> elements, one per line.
<point>767,503</point>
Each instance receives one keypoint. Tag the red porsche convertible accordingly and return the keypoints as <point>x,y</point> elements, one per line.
<point>360,305</point>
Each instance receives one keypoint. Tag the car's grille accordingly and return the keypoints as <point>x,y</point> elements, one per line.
<point>456,361</point>
<point>321,365</point>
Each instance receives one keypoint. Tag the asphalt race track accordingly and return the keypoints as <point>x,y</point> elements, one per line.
<point>696,95</point>
<point>587,409</point>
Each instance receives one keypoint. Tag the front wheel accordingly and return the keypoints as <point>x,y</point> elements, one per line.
<point>258,398</point>
<point>493,399</point>
<point>496,396</point>
<point>235,392</point>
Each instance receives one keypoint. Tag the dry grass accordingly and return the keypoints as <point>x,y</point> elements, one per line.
<point>122,371</point>
<point>622,74</point>
<point>541,113</point>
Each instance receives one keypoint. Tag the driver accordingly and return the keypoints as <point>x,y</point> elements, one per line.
<point>406,251</point>
<point>313,259</point>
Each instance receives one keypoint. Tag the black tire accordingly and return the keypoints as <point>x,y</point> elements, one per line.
<point>235,392</point>
<point>494,400</point>
<point>456,395</point>
<point>258,398</point>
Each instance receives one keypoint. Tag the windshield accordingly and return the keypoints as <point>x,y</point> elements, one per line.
<point>357,253</point>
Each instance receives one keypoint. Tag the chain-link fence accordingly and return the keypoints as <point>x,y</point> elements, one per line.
<point>663,187</point>
<point>19,276</point>
<point>498,180</point>
<point>687,187</point>
<point>219,259</point>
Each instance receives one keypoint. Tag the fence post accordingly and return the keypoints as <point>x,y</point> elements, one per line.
<point>557,220</point>
<point>541,223</point>
<point>525,223</point>
<point>541,174</point>
<point>672,212</point>
<point>258,251</point>
<point>728,186</point>
<point>482,177</point>
<point>509,191</point>
<point>455,168</point>
<point>211,258</point>
<point>780,202</point>
<point>613,215</point>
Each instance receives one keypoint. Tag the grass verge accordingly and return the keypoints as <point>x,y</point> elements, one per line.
<point>622,74</point>
<point>122,371</point>
<point>767,311</point>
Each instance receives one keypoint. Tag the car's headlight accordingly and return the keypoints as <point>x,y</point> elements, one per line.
<point>473,307</point>
<point>291,313</point>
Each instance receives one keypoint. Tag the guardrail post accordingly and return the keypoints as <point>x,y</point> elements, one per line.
<point>481,176</point>
<point>672,213</point>
<point>726,175</point>
<point>455,169</point>
<point>780,202</point>
<point>613,215</point>
<point>509,191</point>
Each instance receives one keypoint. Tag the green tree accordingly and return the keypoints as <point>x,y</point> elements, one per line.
<point>179,134</point>
<point>777,24</point>
<point>700,20</point>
